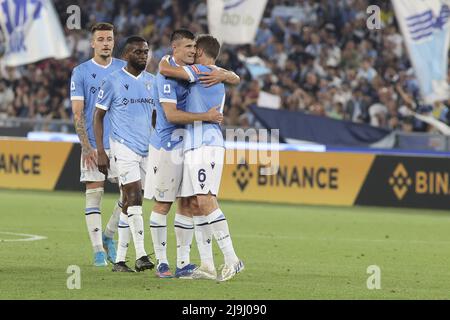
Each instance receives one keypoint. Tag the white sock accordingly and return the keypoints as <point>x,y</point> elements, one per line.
<point>184,231</point>
<point>94,218</point>
<point>203,237</point>
<point>124,237</point>
<point>158,229</point>
<point>113,222</point>
<point>219,226</point>
<point>136,223</point>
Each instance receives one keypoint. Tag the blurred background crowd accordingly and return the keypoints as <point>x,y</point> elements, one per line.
<point>317,57</point>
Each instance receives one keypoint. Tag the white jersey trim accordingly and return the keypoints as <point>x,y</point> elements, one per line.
<point>223,104</point>
<point>101,66</point>
<point>188,71</point>
<point>98,105</point>
<point>168,100</point>
<point>77,98</point>
<point>134,77</point>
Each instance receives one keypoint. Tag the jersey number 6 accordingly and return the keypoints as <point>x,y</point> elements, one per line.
<point>201,175</point>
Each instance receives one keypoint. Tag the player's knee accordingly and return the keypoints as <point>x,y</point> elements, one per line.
<point>162,207</point>
<point>184,207</point>
<point>94,185</point>
<point>183,204</point>
<point>134,198</point>
<point>206,203</point>
<point>193,203</point>
<point>94,197</point>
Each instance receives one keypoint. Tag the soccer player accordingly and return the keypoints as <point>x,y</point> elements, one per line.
<point>204,157</point>
<point>128,96</point>
<point>85,83</point>
<point>165,166</point>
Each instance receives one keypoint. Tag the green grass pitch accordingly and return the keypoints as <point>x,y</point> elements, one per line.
<point>290,252</point>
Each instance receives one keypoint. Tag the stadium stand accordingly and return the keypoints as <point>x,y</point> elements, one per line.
<point>316,57</point>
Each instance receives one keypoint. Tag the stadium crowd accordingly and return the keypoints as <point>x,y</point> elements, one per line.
<point>317,57</point>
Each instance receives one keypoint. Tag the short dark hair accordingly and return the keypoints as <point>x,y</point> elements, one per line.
<point>181,34</point>
<point>102,26</point>
<point>135,39</point>
<point>132,40</point>
<point>209,44</point>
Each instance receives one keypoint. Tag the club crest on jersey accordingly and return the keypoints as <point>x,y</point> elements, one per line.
<point>162,192</point>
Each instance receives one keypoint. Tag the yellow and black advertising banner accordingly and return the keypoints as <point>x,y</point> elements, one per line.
<point>342,179</point>
<point>293,177</point>
<point>415,182</point>
<point>300,177</point>
<point>33,165</point>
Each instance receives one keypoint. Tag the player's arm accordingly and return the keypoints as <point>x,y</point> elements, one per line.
<point>168,99</point>
<point>217,75</point>
<point>103,160</point>
<point>88,154</point>
<point>167,70</point>
<point>104,100</point>
<point>177,116</point>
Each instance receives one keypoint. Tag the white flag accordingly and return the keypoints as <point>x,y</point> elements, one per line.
<point>235,21</point>
<point>426,29</point>
<point>32,31</point>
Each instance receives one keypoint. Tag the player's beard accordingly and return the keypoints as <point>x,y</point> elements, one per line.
<point>105,55</point>
<point>138,66</point>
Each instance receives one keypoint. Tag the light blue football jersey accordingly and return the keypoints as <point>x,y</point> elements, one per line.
<point>130,101</point>
<point>173,91</point>
<point>201,99</point>
<point>84,85</point>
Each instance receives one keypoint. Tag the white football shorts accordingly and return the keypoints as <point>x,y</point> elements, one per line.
<point>130,165</point>
<point>164,174</point>
<point>93,175</point>
<point>202,171</point>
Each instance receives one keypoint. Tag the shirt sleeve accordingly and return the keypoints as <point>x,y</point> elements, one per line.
<point>194,71</point>
<point>77,85</point>
<point>105,96</point>
<point>167,90</point>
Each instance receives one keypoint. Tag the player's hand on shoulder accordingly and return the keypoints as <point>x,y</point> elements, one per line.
<point>214,77</point>
<point>89,157</point>
<point>103,162</point>
<point>214,116</point>
<point>164,63</point>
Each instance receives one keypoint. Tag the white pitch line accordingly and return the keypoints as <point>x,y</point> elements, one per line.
<point>29,237</point>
